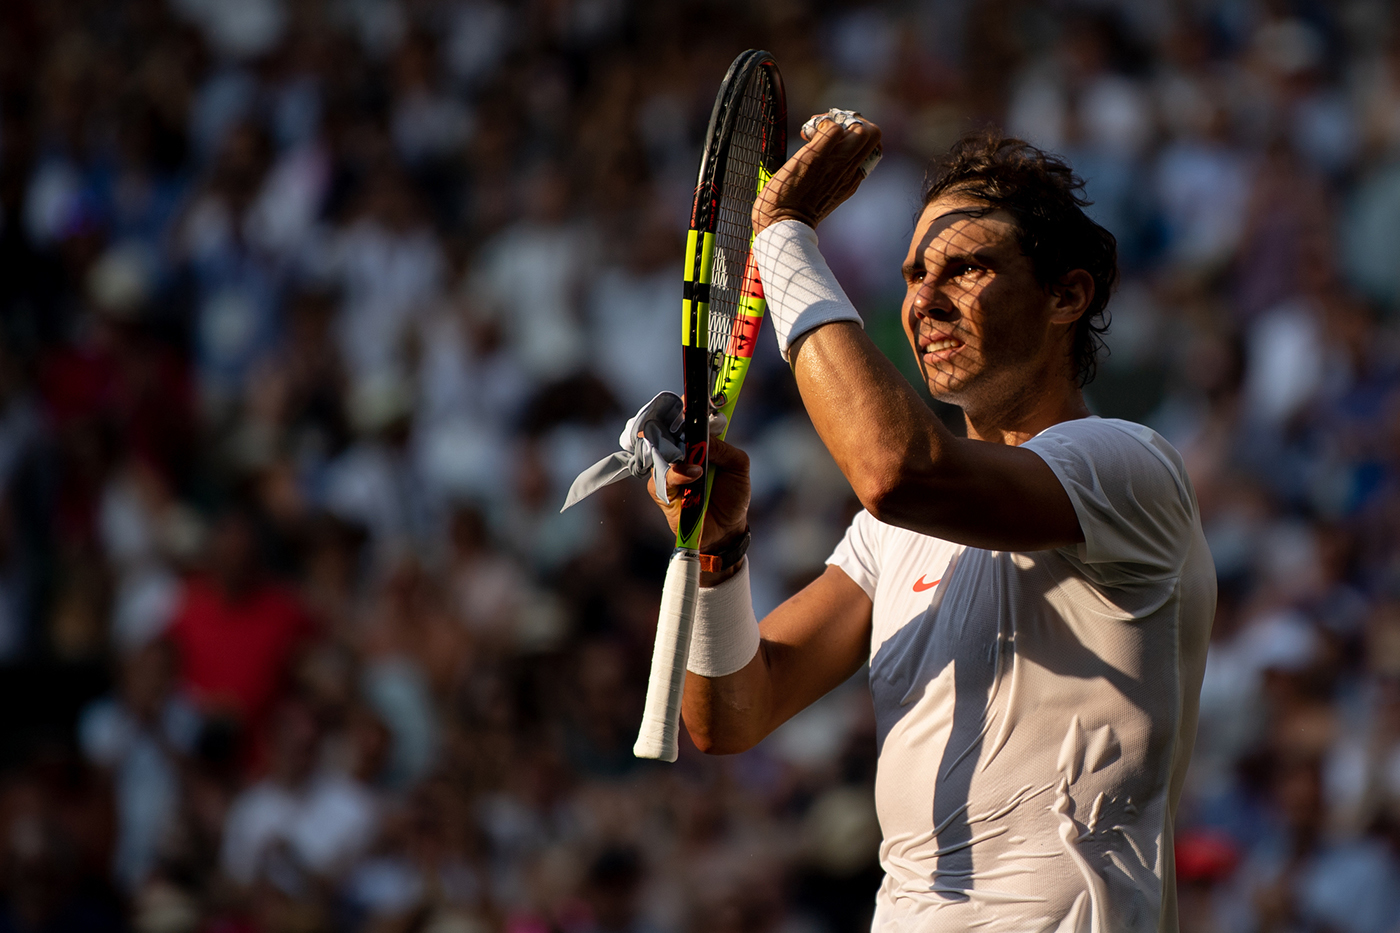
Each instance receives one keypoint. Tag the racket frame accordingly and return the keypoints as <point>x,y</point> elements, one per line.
<point>707,388</point>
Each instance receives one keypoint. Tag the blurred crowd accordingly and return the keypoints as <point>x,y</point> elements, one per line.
<point>310,310</point>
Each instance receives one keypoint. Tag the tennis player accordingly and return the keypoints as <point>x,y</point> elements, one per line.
<point>1034,601</point>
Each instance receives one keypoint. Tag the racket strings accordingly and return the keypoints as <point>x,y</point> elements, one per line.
<point>733,227</point>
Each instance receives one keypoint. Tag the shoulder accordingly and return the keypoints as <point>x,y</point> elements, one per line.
<point>1129,488</point>
<point>858,553</point>
<point>1115,449</point>
<point>1108,433</point>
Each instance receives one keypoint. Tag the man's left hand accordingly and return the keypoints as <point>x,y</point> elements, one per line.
<point>820,176</point>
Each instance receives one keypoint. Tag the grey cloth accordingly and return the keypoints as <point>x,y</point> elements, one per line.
<point>650,441</point>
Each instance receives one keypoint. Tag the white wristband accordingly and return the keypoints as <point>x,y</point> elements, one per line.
<point>725,636</point>
<point>801,291</point>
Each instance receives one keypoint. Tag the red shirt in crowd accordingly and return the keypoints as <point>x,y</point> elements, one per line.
<point>235,652</point>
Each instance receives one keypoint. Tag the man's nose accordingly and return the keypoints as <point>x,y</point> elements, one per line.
<point>932,303</point>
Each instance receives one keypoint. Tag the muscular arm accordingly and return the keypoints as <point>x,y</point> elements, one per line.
<point>908,470</point>
<point>811,643</point>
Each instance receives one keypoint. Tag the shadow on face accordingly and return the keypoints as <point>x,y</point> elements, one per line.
<point>978,320</point>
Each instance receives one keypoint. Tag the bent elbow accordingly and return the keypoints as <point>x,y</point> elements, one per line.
<point>879,491</point>
<point>703,741</point>
<point>710,744</point>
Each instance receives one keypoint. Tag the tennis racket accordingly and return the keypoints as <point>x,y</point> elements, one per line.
<point>721,309</point>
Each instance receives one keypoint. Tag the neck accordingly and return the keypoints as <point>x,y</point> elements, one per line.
<point>1025,414</point>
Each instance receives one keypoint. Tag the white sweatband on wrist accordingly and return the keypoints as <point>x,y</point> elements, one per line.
<point>802,293</point>
<point>724,638</point>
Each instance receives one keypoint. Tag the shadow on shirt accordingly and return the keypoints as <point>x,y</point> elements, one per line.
<point>969,625</point>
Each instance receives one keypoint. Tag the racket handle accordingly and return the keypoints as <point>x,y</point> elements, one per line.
<point>662,715</point>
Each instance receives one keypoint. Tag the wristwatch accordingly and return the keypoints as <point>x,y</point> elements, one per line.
<point>729,555</point>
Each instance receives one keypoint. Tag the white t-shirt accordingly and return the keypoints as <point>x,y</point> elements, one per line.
<point>1035,711</point>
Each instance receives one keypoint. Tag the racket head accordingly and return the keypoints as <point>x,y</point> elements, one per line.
<point>745,143</point>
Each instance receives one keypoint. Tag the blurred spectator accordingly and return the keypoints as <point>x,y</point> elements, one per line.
<point>236,292</point>
<point>300,823</point>
<point>622,302</point>
<point>389,267</point>
<point>376,481</point>
<point>116,381</point>
<point>1298,877</point>
<point>236,632</point>
<point>427,863</point>
<point>410,645</point>
<point>145,529</point>
<point>611,890</point>
<point>140,736</point>
<point>490,588</point>
<point>530,278</point>
<point>44,883</point>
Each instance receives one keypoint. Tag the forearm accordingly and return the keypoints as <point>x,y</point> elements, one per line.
<point>884,439</point>
<point>729,714</point>
<point>810,644</point>
<point>878,430</point>
<point>726,690</point>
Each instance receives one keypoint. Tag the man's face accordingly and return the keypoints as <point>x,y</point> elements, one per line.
<point>978,320</point>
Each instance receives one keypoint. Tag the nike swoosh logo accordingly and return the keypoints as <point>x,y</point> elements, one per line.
<point>921,586</point>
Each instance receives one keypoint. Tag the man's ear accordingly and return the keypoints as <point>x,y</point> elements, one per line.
<point>1071,296</point>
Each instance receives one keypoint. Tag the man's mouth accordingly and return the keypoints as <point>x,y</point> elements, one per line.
<point>939,348</point>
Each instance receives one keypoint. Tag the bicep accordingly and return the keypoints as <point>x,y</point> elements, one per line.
<point>815,641</point>
<point>984,495</point>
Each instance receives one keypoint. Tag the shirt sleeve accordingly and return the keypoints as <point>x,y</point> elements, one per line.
<point>858,554</point>
<point>1130,490</point>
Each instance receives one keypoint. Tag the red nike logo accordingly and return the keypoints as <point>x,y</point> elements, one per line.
<point>921,586</point>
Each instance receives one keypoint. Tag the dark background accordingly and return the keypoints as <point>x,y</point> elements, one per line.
<point>311,309</point>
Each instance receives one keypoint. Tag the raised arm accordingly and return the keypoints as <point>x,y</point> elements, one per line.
<point>908,469</point>
<point>903,464</point>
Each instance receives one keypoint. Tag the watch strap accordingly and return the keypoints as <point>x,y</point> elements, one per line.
<point>728,556</point>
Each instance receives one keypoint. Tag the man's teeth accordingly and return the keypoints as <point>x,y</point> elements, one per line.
<point>940,345</point>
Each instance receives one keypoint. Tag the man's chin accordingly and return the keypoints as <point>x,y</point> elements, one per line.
<point>949,382</point>
<point>946,390</point>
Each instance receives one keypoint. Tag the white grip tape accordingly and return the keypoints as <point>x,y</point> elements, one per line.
<point>662,714</point>
<point>802,292</point>
<point>725,637</point>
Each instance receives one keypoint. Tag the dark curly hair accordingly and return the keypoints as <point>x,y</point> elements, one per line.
<point>1046,199</point>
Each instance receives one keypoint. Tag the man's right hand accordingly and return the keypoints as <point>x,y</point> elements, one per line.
<point>728,512</point>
